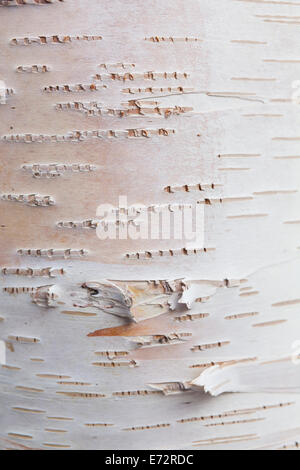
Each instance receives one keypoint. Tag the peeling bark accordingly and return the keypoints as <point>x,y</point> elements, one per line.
<point>158,342</point>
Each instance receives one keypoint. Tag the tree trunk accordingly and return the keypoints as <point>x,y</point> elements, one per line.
<point>188,111</point>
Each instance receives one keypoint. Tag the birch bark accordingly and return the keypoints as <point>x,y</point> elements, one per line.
<point>149,343</point>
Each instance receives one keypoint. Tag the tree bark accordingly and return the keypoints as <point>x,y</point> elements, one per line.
<point>160,342</point>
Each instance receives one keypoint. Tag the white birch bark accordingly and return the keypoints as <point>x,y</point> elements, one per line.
<point>135,344</point>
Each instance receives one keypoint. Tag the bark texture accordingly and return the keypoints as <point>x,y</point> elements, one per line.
<point>132,344</point>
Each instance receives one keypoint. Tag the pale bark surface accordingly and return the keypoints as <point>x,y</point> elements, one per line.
<point>168,103</point>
